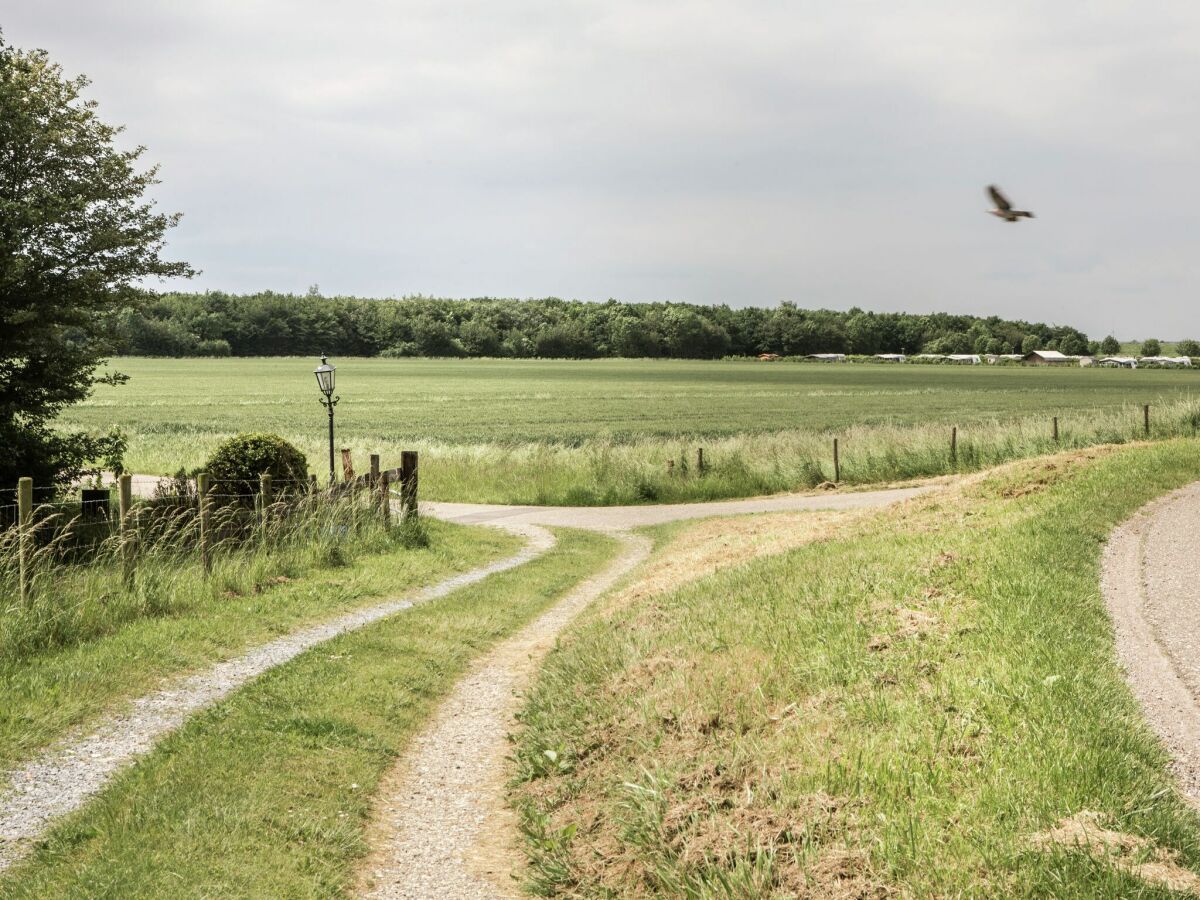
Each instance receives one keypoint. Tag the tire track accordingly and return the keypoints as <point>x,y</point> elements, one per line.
<point>63,778</point>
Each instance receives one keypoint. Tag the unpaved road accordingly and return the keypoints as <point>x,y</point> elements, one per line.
<point>620,518</point>
<point>62,778</point>
<point>441,827</point>
<point>1149,583</point>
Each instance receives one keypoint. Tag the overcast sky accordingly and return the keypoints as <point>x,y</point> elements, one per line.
<point>834,154</point>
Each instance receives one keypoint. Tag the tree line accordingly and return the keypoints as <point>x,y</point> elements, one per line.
<point>273,324</point>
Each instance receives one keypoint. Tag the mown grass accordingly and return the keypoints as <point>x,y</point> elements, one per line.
<point>268,794</point>
<point>895,711</point>
<point>601,431</point>
<point>174,619</point>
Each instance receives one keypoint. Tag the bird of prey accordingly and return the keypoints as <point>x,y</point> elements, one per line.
<point>1003,208</point>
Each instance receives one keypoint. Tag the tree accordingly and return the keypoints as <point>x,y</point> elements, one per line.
<point>1110,346</point>
<point>77,237</point>
<point>1188,348</point>
<point>1030,343</point>
<point>1073,345</point>
<point>1151,347</point>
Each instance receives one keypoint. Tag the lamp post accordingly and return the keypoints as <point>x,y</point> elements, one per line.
<point>325,378</point>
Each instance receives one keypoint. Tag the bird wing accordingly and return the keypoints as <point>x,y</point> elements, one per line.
<point>998,198</point>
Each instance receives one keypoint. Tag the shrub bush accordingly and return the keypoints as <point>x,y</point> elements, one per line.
<point>237,463</point>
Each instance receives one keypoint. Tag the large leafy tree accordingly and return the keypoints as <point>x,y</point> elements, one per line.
<point>77,239</point>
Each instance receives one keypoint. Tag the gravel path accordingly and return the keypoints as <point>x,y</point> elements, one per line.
<point>442,828</point>
<point>63,778</point>
<point>618,518</point>
<point>1149,583</point>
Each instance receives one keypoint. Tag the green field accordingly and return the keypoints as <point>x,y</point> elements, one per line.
<point>601,431</point>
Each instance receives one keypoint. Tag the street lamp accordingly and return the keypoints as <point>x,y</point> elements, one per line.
<point>325,378</point>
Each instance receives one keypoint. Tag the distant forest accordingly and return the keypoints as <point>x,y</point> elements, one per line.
<point>270,324</point>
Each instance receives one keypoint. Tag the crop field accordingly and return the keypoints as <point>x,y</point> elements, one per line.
<point>539,431</point>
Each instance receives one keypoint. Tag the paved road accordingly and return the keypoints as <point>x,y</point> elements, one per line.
<point>621,518</point>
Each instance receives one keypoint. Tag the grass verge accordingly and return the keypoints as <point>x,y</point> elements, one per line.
<point>201,621</point>
<point>268,793</point>
<point>897,711</point>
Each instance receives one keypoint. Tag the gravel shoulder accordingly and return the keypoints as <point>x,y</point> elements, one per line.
<point>1149,584</point>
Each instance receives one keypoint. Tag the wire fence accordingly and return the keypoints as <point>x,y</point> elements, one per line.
<point>187,517</point>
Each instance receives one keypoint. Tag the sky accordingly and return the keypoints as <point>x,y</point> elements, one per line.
<point>751,152</point>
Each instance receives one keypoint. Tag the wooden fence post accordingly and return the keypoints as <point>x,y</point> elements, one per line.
<point>1146,417</point>
<point>954,443</point>
<point>376,497</point>
<point>264,500</point>
<point>347,466</point>
<point>408,484</point>
<point>24,536</point>
<point>124,503</point>
<point>699,460</point>
<point>670,467</point>
<point>205,512</point>
<point>385,499</point>
<point>837,463</point>
<point>1054,428</point>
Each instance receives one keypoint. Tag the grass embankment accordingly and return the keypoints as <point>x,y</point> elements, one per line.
<point>268,794</point>
<point>175,621</point>
<point>601,431</point>
<point>897,710</point>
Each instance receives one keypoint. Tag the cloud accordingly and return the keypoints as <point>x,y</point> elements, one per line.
<point>831,154</point>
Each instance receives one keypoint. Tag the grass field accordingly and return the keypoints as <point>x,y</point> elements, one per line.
<point>903,707</point>
<point>542,431</point>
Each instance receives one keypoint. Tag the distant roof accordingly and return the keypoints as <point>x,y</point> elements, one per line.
<point>1050,354</point>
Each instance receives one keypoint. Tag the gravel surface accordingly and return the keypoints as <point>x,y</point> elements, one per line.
<point>616,518</point>
<point>442,828</point>
<point>63,778</point>
<point>1149,581</point>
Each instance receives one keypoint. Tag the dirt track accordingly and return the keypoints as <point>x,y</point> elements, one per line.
<point>620,518</point>
<point>1149,584</point>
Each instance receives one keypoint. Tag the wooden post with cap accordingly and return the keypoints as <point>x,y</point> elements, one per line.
<point>124,506</point>
<point>24,537</point>
<point>408,484</point>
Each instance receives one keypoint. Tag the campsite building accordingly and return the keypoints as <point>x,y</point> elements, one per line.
<point>1049,358</point>
<point>1168,362</point>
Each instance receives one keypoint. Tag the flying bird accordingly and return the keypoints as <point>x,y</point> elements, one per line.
<point>1003,208</point>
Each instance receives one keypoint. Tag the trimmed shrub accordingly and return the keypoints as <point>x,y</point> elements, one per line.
<point>237,463</point>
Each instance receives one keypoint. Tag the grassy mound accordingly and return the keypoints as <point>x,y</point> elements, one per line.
<point>897,710</point>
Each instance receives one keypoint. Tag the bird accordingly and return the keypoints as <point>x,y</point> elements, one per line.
<point>1003,208</point>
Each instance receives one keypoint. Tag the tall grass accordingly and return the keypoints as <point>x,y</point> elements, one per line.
<point>77,587</point>
<point>604,471</point>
